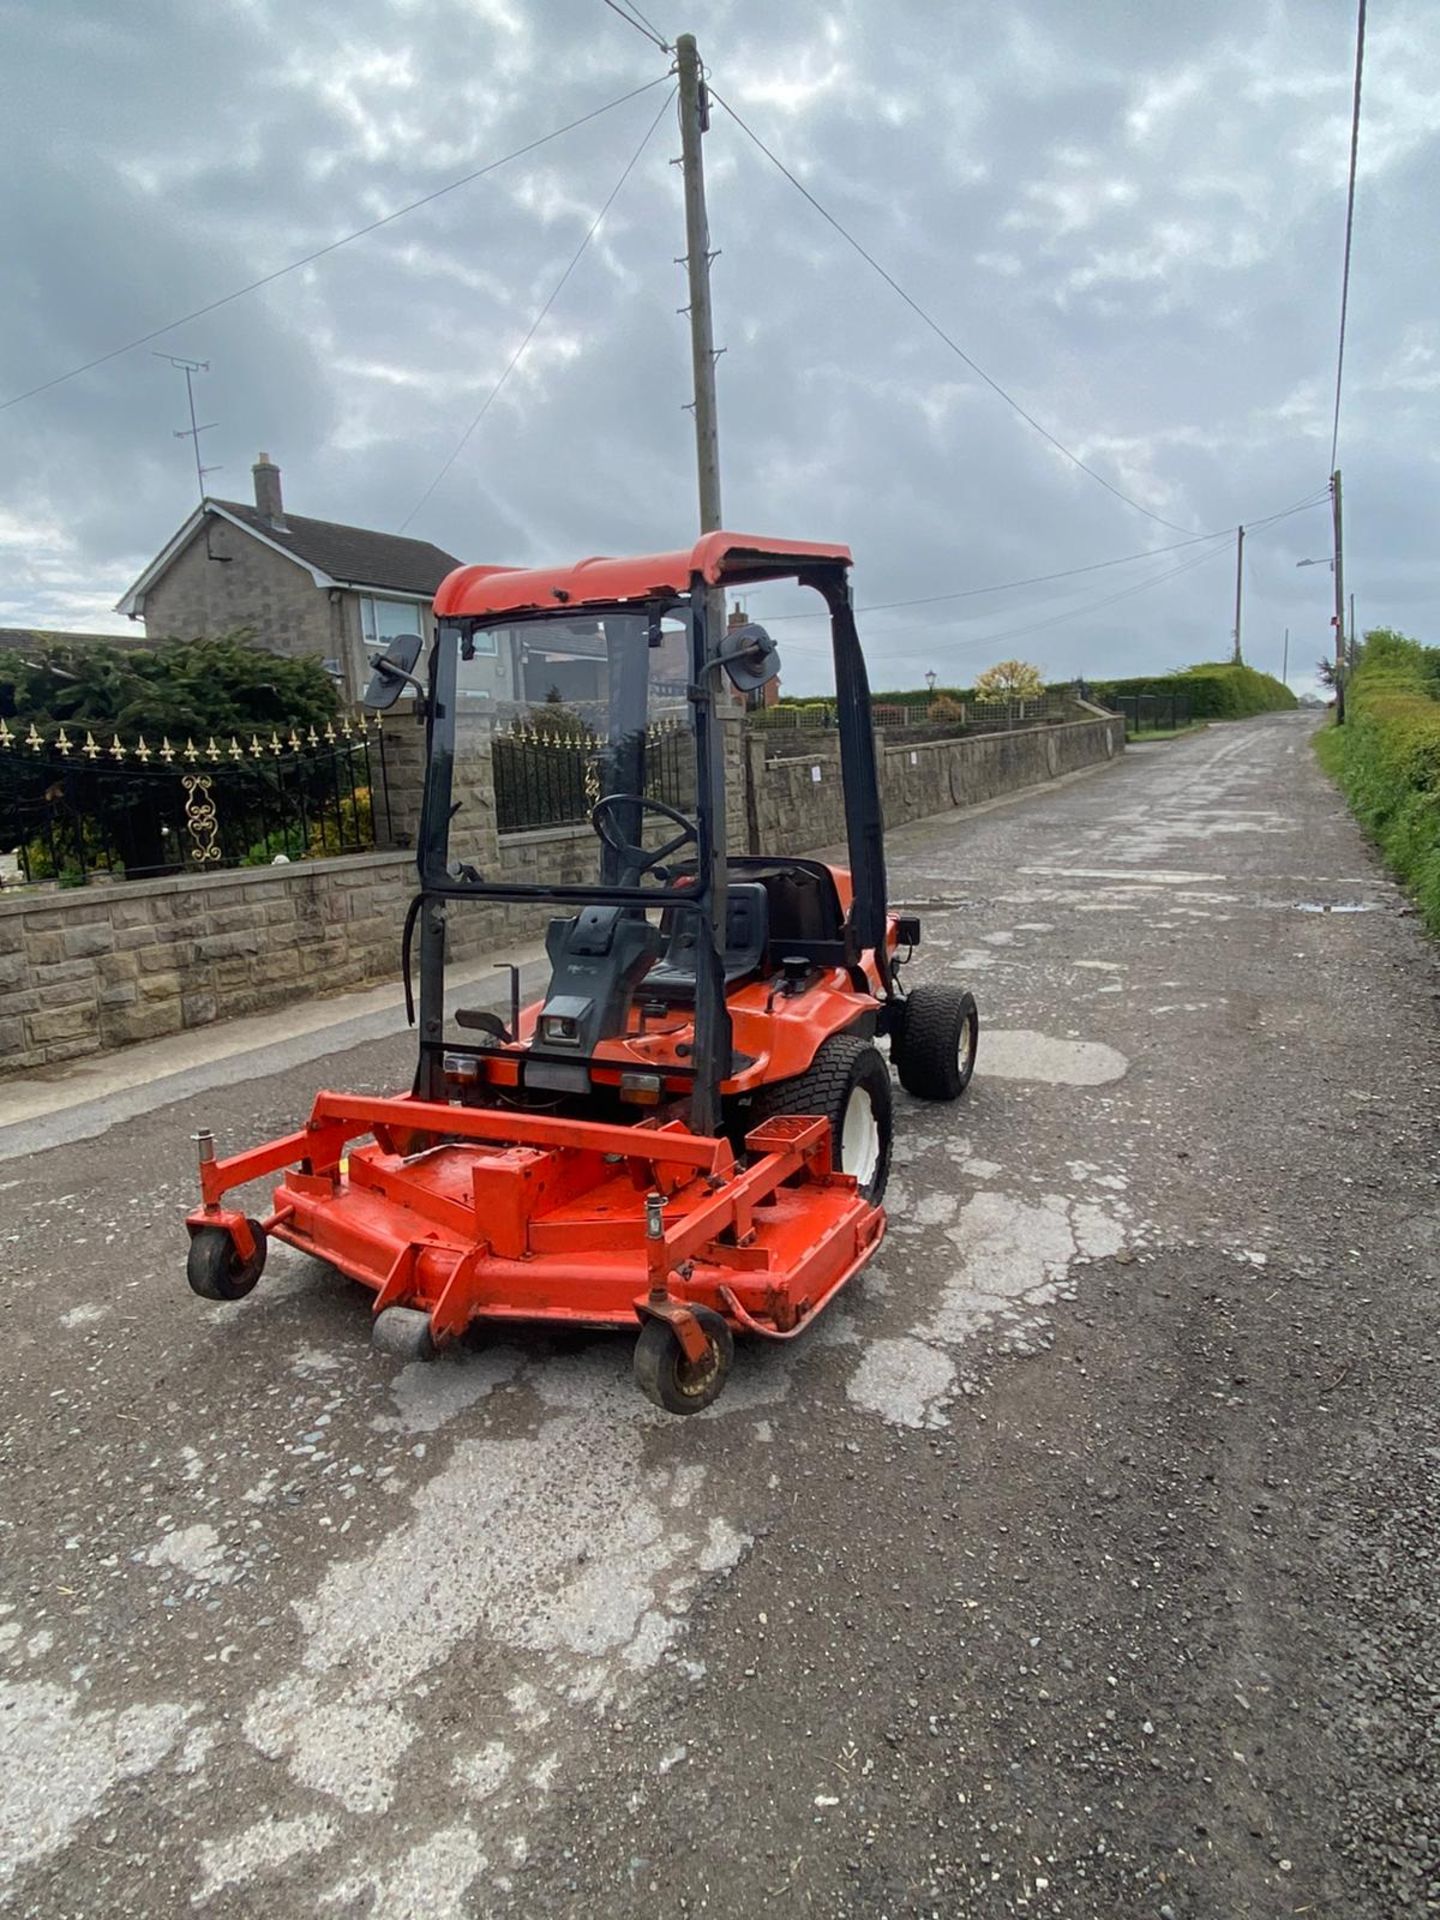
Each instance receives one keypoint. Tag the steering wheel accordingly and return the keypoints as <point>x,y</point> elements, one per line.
<point>641,860</point>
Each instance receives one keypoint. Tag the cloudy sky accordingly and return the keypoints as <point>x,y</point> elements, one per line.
<point>1128,212</point>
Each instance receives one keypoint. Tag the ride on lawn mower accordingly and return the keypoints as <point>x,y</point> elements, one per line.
<point>689,1136</point>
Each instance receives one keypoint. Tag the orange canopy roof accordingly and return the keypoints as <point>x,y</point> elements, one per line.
<point>719,559</point>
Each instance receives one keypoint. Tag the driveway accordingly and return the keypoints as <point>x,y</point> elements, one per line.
<point>1080,1562</point>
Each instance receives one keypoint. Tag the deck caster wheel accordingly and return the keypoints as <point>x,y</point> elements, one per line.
<point>404,1333</point>
<point>934,1051</point>
<point>215,1268</point>
<point>664,1375</point>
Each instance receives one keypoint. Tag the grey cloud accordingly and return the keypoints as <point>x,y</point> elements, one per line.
<point>1130,216</point>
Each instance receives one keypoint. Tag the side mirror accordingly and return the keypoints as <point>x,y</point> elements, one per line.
<point>749,656</point>
<point>394,670</point>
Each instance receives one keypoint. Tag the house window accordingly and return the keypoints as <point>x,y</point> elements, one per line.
<point>384,620</point>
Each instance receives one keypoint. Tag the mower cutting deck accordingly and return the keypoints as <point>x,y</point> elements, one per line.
<point>690,1134</point>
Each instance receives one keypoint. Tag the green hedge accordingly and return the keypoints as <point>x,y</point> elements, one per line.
<point>1386,758</point>
<point>1217,691</point>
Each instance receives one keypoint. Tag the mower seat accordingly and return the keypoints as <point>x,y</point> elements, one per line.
<point>747,935</point>
<point>804,903</point>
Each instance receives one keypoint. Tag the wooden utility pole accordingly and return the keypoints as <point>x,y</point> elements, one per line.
<point>694,119</point>
<point>1285,661</point>
<point>1339,598</point>
<point>712,1018</point>
<point>1239,586</point>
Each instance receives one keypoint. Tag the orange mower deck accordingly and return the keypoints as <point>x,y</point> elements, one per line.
<point>593,1225</point>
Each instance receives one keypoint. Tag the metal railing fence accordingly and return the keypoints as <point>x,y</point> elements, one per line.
<point>545,779</point>
<point>74,806</point>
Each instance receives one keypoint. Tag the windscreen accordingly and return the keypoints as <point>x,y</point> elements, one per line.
<point>579,709</point>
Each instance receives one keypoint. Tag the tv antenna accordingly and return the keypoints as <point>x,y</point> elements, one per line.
<point>193,432</point>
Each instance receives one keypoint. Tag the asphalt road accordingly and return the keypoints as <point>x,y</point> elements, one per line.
<point>1082,1562</point>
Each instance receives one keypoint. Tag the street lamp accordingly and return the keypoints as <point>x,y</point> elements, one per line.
<point>1340,641</point>
<point>930,680</point>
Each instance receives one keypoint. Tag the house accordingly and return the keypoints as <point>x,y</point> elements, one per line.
<point>301,586</point>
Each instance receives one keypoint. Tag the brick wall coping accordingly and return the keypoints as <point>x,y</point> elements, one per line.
<point>74,898</point>
<point>1000,733</point>
<point>544,836</point>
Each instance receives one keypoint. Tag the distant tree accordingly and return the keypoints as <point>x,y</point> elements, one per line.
<point>197,686</point>
<point>1010,680</point>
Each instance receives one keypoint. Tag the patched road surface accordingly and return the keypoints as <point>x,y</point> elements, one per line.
<point>1081,1562</point>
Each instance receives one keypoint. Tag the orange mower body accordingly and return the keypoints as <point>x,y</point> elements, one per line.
<point>689,1135</point>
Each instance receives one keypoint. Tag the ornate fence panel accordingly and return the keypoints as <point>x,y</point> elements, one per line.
<point>545,779</point>
<point>73,805</point>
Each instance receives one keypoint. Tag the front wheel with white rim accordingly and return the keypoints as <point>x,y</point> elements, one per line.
<point>934,1047</point>
<point>848,1084</point>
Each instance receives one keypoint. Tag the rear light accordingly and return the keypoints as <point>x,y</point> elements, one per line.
<point>640,1089</point>
<point>461,1067</point>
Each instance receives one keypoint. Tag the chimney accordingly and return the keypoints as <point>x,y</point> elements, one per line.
<point>268,503</point>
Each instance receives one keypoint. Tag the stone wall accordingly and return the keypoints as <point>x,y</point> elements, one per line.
<point>84,971</point>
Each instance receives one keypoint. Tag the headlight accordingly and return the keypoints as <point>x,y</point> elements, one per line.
<point>559,1030</point>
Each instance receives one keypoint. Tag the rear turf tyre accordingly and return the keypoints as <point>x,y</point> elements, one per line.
<point>664,1375</point>
<point>934,1051</point>
<point>848,1084</point>
<point>404,1333</point>
<point>214,1267</point>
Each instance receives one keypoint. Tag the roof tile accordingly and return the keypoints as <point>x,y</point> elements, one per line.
<point>357,556</point>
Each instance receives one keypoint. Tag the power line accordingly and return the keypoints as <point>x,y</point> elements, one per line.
<point>641,15</point>
<point>1094,606</point>
<point>1068,573</point>
<point>1221,545</point>
<point>1349,225</point>
<point>938,330</point>
<point>534,327</point>
<point>1003,586</point>
<point>374,226</point>
<point>934,641</point>
<point>629,18</point>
